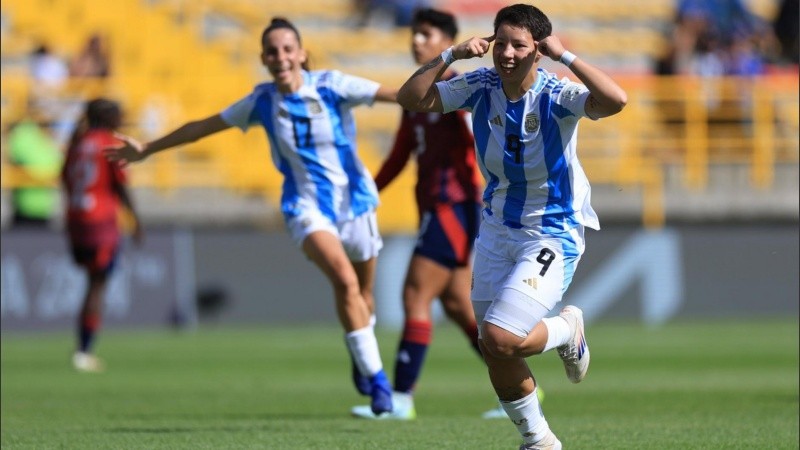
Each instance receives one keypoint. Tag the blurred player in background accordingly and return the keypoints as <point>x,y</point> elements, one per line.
<point>536,199</point>
<point>95,189</point>
<point>329,198</point>
<point>448,195</point>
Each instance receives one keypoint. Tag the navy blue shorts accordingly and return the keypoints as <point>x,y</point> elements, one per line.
<point>447,234</point>
<point>99,260</point>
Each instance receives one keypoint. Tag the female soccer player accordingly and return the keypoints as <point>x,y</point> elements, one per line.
<point>536,202</point>
<point>95,188</point>
<point>448,195</point>
<point>329,198</point>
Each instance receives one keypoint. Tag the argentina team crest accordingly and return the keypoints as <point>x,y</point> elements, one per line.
<point>532,123</point>
<point>313,106</point>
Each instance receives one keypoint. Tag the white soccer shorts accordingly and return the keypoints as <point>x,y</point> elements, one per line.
<point>520,274</point>
<point>360,237</point>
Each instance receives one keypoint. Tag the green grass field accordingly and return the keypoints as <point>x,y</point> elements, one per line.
<point>690,386</point>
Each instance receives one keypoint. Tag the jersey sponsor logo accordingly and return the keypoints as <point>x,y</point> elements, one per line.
<point>532,123</point>
<point>531,282</point>
<point>497,121</point>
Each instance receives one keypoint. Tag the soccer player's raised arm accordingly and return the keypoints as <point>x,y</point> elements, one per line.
<point>606,97</point>
<point>131,150</point>
<point>419,92</point>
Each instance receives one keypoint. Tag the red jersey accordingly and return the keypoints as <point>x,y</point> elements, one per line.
<point>90,181</point>
<point>445,149</point>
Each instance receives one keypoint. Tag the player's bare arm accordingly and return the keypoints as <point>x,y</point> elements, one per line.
<point>131,150</point>
<point>385,94</point>
<point>127,201</point>
<point>419,92</point>
<point>606,97</point>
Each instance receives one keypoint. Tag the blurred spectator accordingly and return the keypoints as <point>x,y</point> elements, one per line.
<point>47,69</point>
<point>744,58</point>
<point>38,158</point>
<point>723,18</point>
<point>400,12</point>
<point>92,61</point>
<point>706,59</point>
<point>785,28</point>
<point>716,37</point>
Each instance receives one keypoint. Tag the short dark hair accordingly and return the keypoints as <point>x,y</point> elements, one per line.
<point>527,16</point>
<point>103,113</point>
<point>439,19</point>
<point>276,23</point>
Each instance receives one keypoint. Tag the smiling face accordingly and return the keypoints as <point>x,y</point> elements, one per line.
<point>283,57</point>
<point>427,42</point>
<point>515,54</point>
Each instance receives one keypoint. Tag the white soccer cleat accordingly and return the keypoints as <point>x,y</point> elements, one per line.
<point>495,413</point>
<point>550,442</point>
<point>86,362</point>
<point>575,353</point>
<point>402,409</point>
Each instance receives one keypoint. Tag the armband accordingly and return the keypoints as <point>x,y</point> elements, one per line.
<point>567,58</point>
<point>447,56</point>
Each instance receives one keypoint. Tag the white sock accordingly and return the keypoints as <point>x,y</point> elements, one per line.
<point>526,413</point>
<point>402,400</point>
<point>364,347</point>
<point>558,332</point>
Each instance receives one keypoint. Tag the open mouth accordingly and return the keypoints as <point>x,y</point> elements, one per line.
<point>280,71</point>
<point>508,67</point>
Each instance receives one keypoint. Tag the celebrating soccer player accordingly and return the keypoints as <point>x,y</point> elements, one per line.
<point>536,202</point>
<point>329,198</point>
<point>448,195</point>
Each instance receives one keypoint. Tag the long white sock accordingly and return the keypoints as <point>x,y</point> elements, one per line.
<point>364,347</point>
<point>558,332</point>
<point>526,413</point>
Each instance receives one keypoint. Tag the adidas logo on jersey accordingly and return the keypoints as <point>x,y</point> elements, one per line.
<point>496,120</point>
<point>531,282</point>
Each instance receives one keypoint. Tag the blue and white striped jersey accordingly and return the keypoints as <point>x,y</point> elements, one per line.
<point>312,137</point>
<point>527,148</point>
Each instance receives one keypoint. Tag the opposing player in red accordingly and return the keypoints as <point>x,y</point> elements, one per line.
<point>95,189</point>
<point>448,195</point>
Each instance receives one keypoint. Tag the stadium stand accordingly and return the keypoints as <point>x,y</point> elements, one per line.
<point>174,60</point>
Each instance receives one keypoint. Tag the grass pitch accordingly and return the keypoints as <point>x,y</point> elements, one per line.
<point>718,385</point>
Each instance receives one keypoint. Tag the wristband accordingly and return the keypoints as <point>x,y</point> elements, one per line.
<point>447,56</point>
<point>567,58</point>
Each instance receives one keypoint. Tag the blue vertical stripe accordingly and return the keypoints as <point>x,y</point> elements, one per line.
<point>517,190</point>
<point>558,184</point>
<point>309,157</point>
<point>570,253</point>
<point>263,111</point>
<point>481,130</point>
<point>361,198</point>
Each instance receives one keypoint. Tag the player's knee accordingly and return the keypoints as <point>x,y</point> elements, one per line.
<point>500,343</point>
<point>346,285</point>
